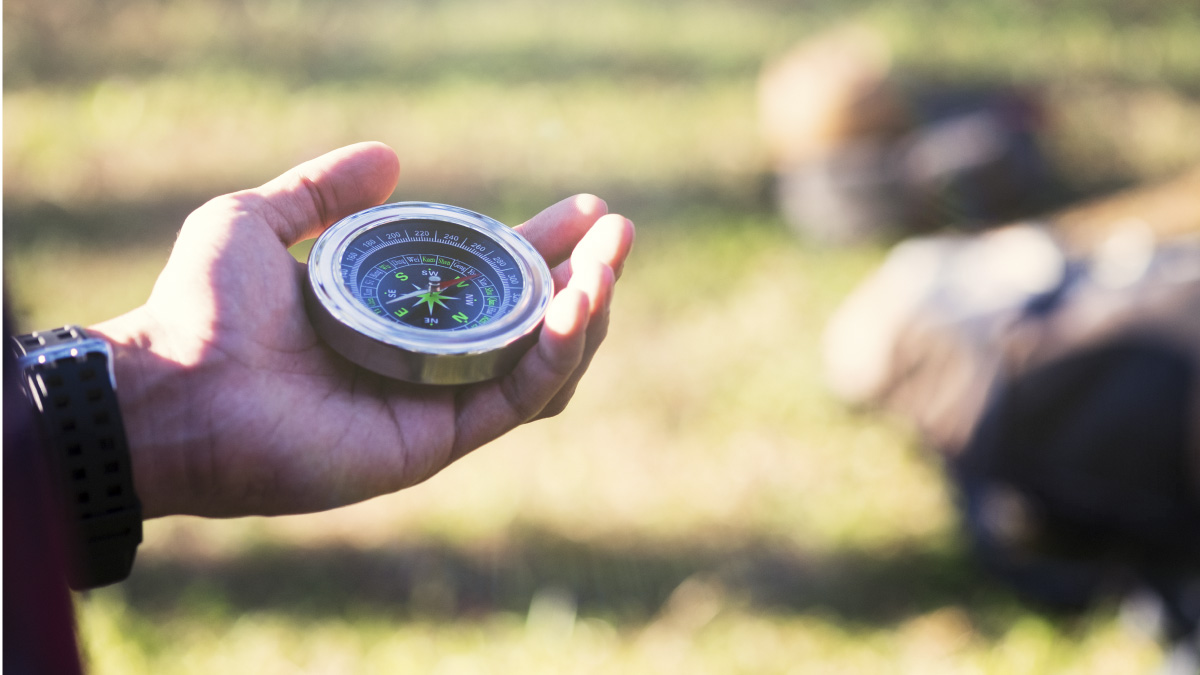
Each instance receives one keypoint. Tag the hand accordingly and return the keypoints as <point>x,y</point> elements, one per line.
<point>233,405</point>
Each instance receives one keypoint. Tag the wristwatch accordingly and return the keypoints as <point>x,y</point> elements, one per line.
<point>68,376</point>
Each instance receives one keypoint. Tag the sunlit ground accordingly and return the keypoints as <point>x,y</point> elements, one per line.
<point>704,505</point>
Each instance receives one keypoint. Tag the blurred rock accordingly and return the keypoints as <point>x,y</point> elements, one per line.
<point>861,151</point>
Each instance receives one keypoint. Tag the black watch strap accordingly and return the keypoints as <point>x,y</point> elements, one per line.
<point>69,378</point>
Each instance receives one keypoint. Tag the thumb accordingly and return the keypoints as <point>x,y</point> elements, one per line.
<point>306,199</point>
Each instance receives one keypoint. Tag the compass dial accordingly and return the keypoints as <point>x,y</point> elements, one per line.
<point>427,292</point>
<point>432,275</point>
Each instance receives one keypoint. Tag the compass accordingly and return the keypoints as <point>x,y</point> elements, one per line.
<point>427,293</point>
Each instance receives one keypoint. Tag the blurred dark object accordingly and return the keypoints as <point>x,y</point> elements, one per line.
<point>861,152</point>
<point>1055,366</point>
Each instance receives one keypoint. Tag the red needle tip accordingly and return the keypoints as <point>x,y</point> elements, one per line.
<point>447,284</point>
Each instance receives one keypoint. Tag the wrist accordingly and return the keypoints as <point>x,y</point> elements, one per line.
<point>152,394</point>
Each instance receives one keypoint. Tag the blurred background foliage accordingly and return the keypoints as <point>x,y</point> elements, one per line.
<point>703,506</point>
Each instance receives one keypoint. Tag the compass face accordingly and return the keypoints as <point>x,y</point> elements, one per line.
<point>432,275</point>
<point>427,293</point>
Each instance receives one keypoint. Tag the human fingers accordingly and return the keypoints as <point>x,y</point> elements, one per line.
<point>595,280</point>
<point>608,242</point>
<point>306,199</point>
<point>594,267</point>
<point>575,325</point>
<point>555,231</point>
<point>490,409</point>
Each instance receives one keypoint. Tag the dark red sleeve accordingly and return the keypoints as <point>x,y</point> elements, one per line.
<point>39,623</point>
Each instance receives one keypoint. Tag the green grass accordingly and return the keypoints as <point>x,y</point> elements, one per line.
<point>704,505</point>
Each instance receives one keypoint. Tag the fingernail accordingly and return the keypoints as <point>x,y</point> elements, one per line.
<point>590,204</point>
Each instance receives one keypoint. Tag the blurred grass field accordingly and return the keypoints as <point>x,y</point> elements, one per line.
<point>703,506</point>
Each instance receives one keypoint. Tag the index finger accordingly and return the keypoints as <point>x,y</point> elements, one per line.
<point>555,231</point>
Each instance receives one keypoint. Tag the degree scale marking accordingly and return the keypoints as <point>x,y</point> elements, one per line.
<point>351,274</point>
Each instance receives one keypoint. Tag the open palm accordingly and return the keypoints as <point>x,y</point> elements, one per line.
<point>234,406</point>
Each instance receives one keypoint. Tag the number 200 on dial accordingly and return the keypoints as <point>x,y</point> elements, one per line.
<point>427,293</point>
